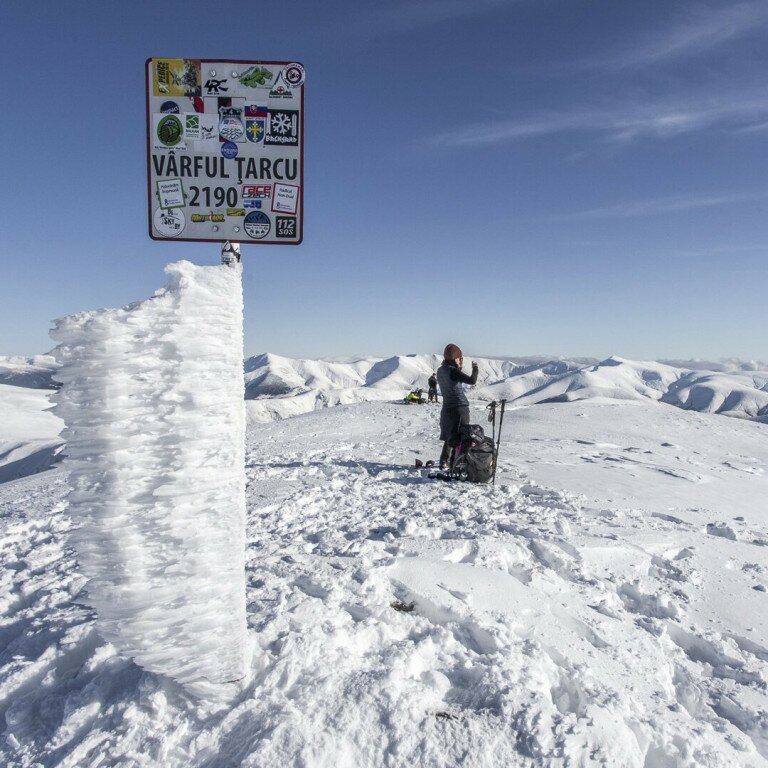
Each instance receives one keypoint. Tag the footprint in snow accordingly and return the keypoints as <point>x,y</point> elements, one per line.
<point>650,605</point>
<point>749,466</point>
<point>723,530</point>
<point>665,569</point>
<point>724,661</point>
<point>464,597</point>
<point>308,587</point>
<point>357,612</point>
<point>466,553</point>
<point>668,518</point>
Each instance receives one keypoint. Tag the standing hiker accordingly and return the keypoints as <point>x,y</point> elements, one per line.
<point>432,391</point>
<point>455,410</point>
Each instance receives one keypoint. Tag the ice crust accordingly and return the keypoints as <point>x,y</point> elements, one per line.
<point>152,399</point>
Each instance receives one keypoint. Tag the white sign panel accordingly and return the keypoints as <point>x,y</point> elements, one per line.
<point>225,150</point>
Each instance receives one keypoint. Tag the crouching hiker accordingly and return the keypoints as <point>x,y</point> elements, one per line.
<point>455,411</point>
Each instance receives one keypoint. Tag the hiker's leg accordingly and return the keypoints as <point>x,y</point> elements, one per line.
<point>445,456</point>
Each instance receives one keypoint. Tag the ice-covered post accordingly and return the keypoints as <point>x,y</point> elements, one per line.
<point>152,399</point>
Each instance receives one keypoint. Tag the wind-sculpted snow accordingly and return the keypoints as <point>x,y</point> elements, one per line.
<point>278,387</point>
<point>152,399</point>
<point>603,605</point>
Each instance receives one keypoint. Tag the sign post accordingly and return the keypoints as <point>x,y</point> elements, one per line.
<point>225,150</point>
<point>230,253</point>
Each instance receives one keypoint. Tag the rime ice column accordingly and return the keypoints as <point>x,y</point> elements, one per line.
<point>155,430</point>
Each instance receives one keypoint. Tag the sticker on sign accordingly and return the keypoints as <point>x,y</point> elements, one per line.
<point>285,199</point>
<point>257,225</point>
<point>171,193</point>
<point>257,191</point>
<point>170,223</point>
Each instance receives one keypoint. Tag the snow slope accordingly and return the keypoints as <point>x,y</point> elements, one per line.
<point>603,605</point>
<point>29,432</point>
<point>277,387</point>
<point>152,398</point>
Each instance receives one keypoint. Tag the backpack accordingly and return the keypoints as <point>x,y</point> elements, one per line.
<point>475,455</point>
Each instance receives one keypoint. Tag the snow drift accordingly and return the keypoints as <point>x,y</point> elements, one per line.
<point>152,399</point>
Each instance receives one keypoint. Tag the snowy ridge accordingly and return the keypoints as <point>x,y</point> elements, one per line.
<point>34,372</point>
<point>152,398</point>
<point>278,387</point>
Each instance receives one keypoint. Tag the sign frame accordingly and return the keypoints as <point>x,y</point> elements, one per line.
<point>293,201</point>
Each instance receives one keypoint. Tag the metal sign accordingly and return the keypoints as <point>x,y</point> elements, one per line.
<point>225,150</point>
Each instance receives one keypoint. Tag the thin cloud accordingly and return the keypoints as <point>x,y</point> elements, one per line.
<point>700,32</point>
<point>663,122</point>
<point>406,16</point>
<point>755,128</point>
<point>654,207</point>
<point>622,122</point>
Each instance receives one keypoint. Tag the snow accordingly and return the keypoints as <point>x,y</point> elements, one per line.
<point>279,387</point>
<point>29,440</point>
<point>35,372</point>
<point>602,605</point>
<point>152,399</point>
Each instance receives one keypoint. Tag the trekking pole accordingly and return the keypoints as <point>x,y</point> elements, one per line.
<point>496,457</point>
<point>492,416</point>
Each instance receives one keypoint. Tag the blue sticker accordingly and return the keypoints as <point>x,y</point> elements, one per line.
<point>169,108</point>
<point>229,149</point>
<point>257,225</point>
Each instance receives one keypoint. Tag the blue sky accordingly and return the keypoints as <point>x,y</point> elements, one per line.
<point>521,177</point>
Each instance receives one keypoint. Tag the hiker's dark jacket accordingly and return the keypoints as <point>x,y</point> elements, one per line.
<point>455,411</point>
<point>450,378</point>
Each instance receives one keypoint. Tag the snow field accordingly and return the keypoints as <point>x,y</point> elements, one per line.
<point>153,403</point>
<point>542,655</point>
<point>583,612</point>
